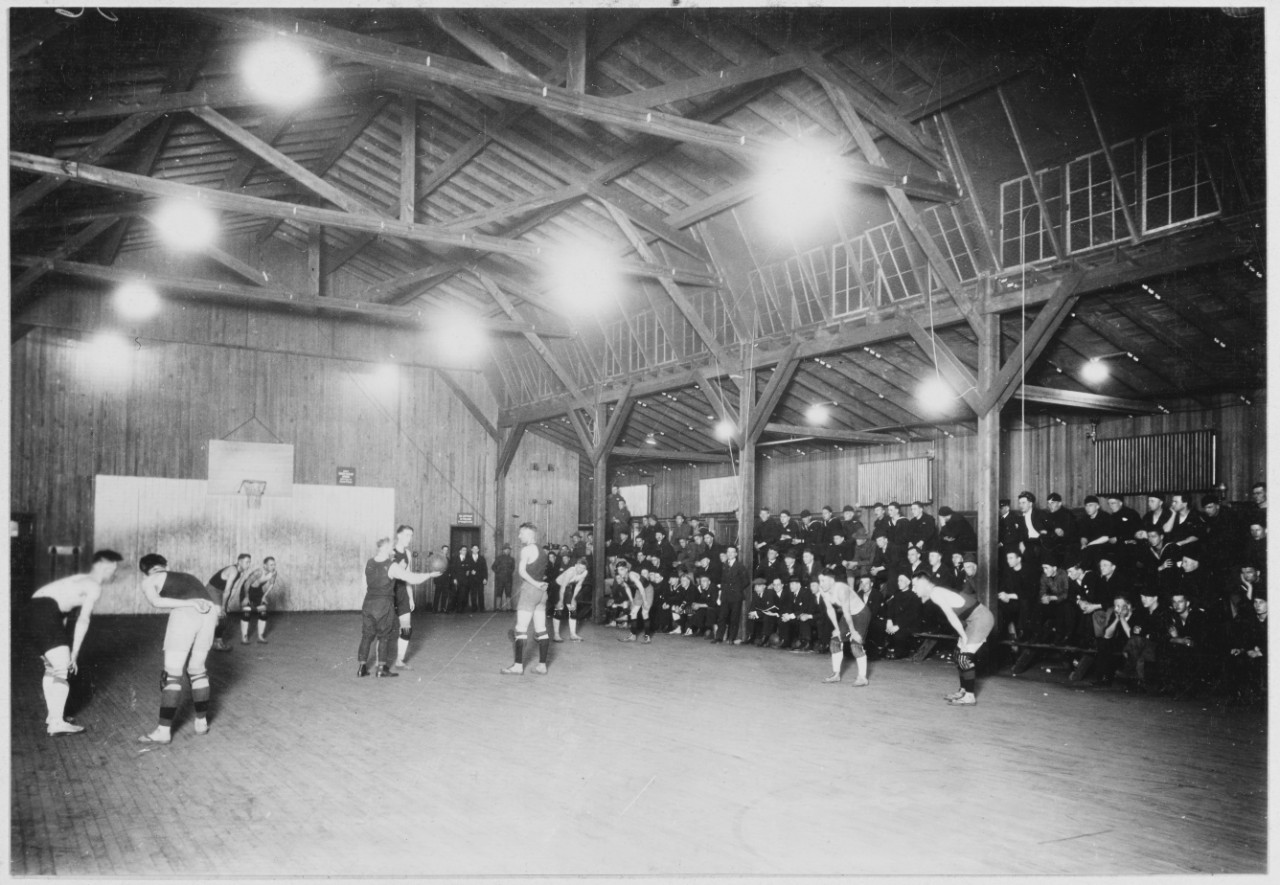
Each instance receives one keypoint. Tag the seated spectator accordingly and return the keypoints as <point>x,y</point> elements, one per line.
<point>1061,538</point>
<point>1247,661</point>
<point>1094,531</point>
<point>662,597</point>
<point>902,615</point>
<point>1224,538</point>
<point>1191,583</point>
<point>703,608</point>
<point>1255,553</point>
<point>686,558</point>
<point>940,571</point>
<point>921,528</point>
<point>853,528</point>
<point>1085,593</point>
<point>1156,563</point>
<point>681,529</point>
<point>884,561</point>
<point>1126,524</point>
<point>680,599</point>
<point>1019,598</point>
<point>1184,526</point>
<point>798,609</point>
<point>838,552</point>
<point>1157,513</point>
<point>1190,641</point>
<point>1148,637</point>
<point>1059,614</point>
<point>763,611</point>
<point>770,565</point>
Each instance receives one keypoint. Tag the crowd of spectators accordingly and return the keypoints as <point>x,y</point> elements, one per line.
<point>1171,600</point>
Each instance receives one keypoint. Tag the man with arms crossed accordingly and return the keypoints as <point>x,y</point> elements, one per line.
<point>46,627</point>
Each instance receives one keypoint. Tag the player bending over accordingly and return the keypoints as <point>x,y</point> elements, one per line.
<point>841,602</point>
<point>970,619</point>
<point>46,626</point>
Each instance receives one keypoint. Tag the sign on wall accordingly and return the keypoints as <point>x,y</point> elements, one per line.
<point>718,495</point>
<point>346,476</point>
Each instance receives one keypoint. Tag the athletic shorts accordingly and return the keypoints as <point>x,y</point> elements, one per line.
<point>978,626</point>
<point>46,624</point>
<point>251,597</point>
<point>189,632</point>
<point>402,599</point>
<point>860,622</point>
<point>531,597</point>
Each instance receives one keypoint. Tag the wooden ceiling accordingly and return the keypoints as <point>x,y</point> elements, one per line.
<point>449,146</point>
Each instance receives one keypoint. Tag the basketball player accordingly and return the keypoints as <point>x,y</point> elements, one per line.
<point>378,614</point>
<point>225,586</point>
<point>403,596</point>
<point>970,619</point>
<point>253,598</point>
<point>46,627</point>
<point>532,601</point>
<point>857,617</point>
<point>570,582</point>
<point>193,617</point>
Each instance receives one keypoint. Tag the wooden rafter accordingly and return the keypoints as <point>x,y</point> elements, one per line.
<point>416,65</point>
<point>469,404</point>
<point>668,455</point>
<point>957,374</point>
<point>1093,402</point>
<point>507,449</point>
<point>1045,219</point>
<point>853,436</point>
<point>783,372</point>
<point>535,340</point>
<point>66,249</point>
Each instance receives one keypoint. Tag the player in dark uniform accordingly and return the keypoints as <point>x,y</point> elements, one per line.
<point>46,616</point>
<point>193,608</point>
<point>403,596</point>
<point>254,589</point>
<point>378,616</point>
<point>970,619</point>
<point>857,618</point>
<point>532,605</point>
<point>226,586</point>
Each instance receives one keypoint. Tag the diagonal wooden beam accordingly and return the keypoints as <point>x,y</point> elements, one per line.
<point>535,340</point>
<point>283,162</point>
<point>1036,339</point>
<point>263,296</point>
<point>122,132</point>
<point>453,25</point>
<point>580,430</point>
<point>1045,219</point>
<point>69,247</point>
<point>613,428</point>
<point>270,130</point>
<point>692,87</point>
<point>1093,402</point>
<point>408,157</point>
<point>700,328</point>
<point>576,58</point>
<point>415,65</point>
<point>364,114</point>
<point>948,364</point>
<point>507,450</point>
<point>721,405</point>
<point>839,435</point>
<point>366,221</point>
<point>469,403</point>
<point>783,372</point>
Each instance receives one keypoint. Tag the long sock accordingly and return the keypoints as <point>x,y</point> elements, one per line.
<point>170,697</point>
<point>636,623</point>
<point>862,666</point>
<point>969,682</point>
<point>200,694</point>
<point>544,646</point>
<point>573,627</point>
<point>837,658</point>
<point>56,691</point>
<point>520,640</point>
<point>402,647</point>
<point>262,627</point>
<point>244,629</point>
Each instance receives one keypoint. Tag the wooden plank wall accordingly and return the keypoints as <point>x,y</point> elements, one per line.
<point>154,413</point>
<point>542,471</point>
<point>320,536</point>
<point>1059,458</point>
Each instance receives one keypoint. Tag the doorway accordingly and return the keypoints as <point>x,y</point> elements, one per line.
<point>463,536</point>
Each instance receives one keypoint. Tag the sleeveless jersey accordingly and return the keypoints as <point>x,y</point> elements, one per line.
<point>538,568</point>
<point>179,585</point>
<point>402,557</point>
<point>971,602</point>
<point>376,578</point>
<point>217,580</point>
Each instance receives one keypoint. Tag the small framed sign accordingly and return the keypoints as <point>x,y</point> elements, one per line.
<point>466,519</point>
<point>346,476</point>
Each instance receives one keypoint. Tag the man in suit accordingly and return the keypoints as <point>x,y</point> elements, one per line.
<point>735,582</point>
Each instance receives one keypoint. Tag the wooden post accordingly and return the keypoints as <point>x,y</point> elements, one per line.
<point>747,474</point>
<point>599,493</point>
<point>988,465</point>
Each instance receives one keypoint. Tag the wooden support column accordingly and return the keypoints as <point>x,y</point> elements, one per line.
<point>600,520</point>
<point>988,467</point>
<point>506,454</point>
<point>747,476</point>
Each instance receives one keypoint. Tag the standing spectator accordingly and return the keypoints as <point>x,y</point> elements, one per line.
<point>617,512</point>
<point>1019,600</point>
<point>1007,529</point>
<point>922,529</point>
<point>955,534</point>
<point>443,586</point>
<point>1086,593</point>
<point>1126,525</point>
<point>1033,530</point>
<point>1224,538</point>
<point>504,569</point>
<point>1062,538</point>
<point>681,529</point>
<point>854,530</point>
<point>461,571</point>
<point>1096,536</point>
<point>766,534</point>
<point>734,583</point>
<point>478,578</point>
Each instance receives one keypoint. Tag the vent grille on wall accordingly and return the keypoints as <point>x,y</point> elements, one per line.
<point>1162,462</point>
<point>904,480</point>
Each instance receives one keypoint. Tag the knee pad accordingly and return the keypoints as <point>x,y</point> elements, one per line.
<point>521,637</point>
<point>965,661</point>
<point>57,674</point>
<point>199,680</point>
<point>542,637</point>
<point>836,644</point>
<point>262,613</point>
<point>170,682</point>
<point>246,614</point>
<point>405,633</point>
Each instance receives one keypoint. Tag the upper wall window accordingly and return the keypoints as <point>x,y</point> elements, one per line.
<point>1176,184</point>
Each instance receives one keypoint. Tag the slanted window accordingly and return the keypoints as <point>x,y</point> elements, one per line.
<point>1177,187</point>
<point>1095,215</point>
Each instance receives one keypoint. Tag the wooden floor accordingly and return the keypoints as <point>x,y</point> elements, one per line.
<point>679,758</point>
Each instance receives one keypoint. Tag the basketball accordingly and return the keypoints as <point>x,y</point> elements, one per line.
<point>436,563</point>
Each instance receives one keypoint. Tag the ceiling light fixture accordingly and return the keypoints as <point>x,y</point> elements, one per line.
<point>186,225</point>
<point>280,72</point>
<point>137,301</point>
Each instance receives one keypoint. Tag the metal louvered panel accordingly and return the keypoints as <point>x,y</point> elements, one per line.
<point>1162,462</point>
<point>904,480</point>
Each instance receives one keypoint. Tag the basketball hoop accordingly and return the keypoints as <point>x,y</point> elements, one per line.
<point>253,490</point>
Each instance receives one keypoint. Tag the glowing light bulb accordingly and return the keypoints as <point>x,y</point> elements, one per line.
<point>1094,371</point>
<point>137,301</point>
<point>935,395</point>
<point>280,72</point>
